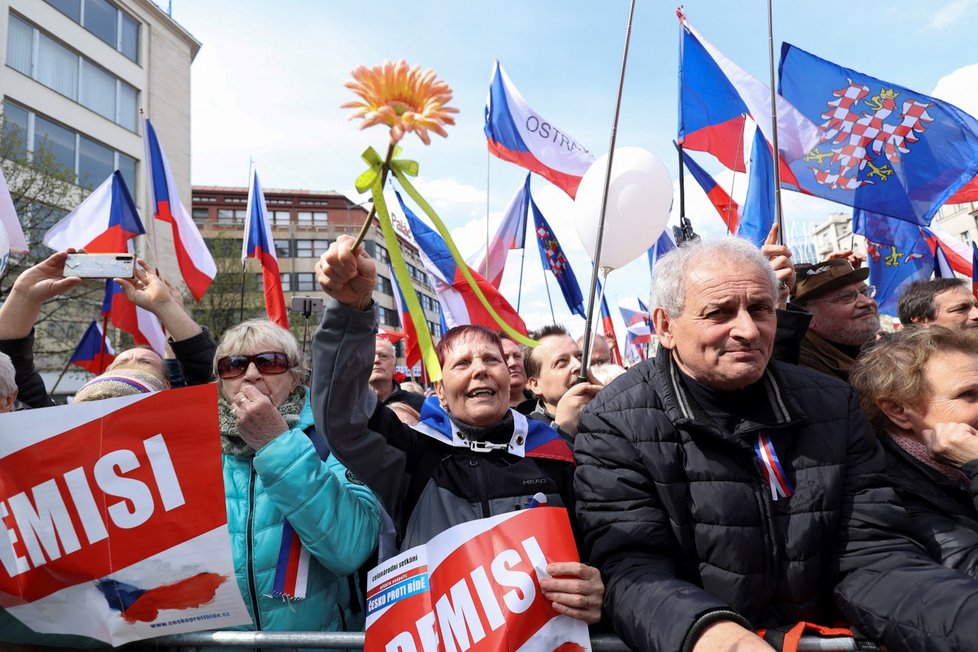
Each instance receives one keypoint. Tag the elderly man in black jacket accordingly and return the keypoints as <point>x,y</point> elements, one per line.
<point>720,492</point>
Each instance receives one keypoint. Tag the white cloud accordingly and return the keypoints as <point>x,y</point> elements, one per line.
<point>960,88</point>
<point>951,13</point>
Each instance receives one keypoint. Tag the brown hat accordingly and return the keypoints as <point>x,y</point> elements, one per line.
<point>820,278</point>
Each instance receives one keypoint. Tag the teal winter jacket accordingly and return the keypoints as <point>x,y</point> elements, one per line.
<point>336,518</point>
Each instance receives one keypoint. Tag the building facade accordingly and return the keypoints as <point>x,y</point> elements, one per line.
<point>303,225</point>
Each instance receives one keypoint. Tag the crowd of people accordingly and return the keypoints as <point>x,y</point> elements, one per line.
<point>779,463</point>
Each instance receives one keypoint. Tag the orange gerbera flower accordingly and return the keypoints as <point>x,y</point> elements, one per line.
<point>403,98</point>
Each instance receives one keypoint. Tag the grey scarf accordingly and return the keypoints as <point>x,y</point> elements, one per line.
<point>231,441</point>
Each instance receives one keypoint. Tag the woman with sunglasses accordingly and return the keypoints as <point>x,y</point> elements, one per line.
<point>470,457</point>
<point>288,500</point>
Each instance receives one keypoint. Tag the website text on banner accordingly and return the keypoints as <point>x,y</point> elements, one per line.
<point>476,587</point>
<point>112,518</point>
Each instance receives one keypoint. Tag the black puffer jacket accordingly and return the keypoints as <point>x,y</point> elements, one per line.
<point>681,522</point>
<point>945,515</point>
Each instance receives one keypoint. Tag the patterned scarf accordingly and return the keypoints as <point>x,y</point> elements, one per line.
<point>231,441</point>
<point>919,452</point>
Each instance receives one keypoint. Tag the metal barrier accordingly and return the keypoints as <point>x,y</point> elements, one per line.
<point>354,640</point>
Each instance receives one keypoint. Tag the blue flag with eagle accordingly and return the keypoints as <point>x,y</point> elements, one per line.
<point>897,254</point>
<point>883,148</point>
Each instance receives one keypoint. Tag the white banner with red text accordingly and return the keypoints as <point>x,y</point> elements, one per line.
<point>476,588</point>
<point>112,518</point>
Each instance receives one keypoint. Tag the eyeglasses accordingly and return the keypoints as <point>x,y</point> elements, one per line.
<point>269,362</point>
<point>851,296</point>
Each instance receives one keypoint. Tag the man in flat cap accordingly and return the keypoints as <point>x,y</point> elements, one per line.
<point>844,314</point>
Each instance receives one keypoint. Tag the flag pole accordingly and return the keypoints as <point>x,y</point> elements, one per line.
<point>103,349</point>
<point>586,354</point>
<point>774,131</point>
<point>519,291</point>
<point>546,284</point>
<point>486,271</point>
<point>60,376</point>
<point>682,183</point>
<point>241,305</point>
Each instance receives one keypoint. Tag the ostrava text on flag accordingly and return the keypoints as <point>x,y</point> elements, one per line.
<point>194,259</point>
<point>552,257</point>
<point>258,243</point>
<point>103,223</point>
<point>727,208</point>
<point>94,352</point>
<point>897,255</point>
<point>883,148</point>
<point>519,134</point>
<point>459,304</point>
<point>715,95</point>
<point>106,563</point>
<point>143,325</point>
<point>510,235</point>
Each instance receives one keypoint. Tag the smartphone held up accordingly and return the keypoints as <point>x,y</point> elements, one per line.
<point>100,265</point>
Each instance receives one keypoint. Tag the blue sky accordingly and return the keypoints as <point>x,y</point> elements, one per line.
<point>269,78</point>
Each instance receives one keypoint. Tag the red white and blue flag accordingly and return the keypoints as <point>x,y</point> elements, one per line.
<point>511,234</point>
<point>638,320</point>
<point>715,97</point>
<point>94,352</point>
<point>608,326</point>
<point>459,303</point>
<point>974,269</point>
<point>883,147</point>
<point>727,208</point>
<point>412,349</point>
<point>942,267</point>
<point>143,325</point>
<point>194,259</point>
<point>757,217</point>
<point>103,223</point>
<point>9,221</point>
<point>520,135</point>
<point>956,252</point>
<point>258,243</point>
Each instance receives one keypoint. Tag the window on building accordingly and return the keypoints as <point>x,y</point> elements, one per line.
<point>70,74</point>
<point>286,281</point>
<point>283,248</point>
<point>201,214</point>
<point>305,281</point>
<point>310,248</point>
<point>311,218</point>
<point>95,163</point>
<point>279,218</point>
<point>387,316</point>
<point>92,162</point>
<point>434,328</point>
<point>966,237</point>
<point>225,216</point>
<point>106,21</point>
<point>384,285</point>
<point>380,253</point>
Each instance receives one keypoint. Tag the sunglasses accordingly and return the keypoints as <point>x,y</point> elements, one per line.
<point>232,366</point>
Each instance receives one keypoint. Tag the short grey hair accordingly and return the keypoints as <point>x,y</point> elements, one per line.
<point>671,271</point>
<point>8,376</point>
<point>262,335</point>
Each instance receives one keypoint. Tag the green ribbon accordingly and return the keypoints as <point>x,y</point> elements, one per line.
<point>375,168</point>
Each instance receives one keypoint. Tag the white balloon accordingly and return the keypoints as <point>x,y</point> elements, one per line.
<point>639,201</point>
<point>4,247</point>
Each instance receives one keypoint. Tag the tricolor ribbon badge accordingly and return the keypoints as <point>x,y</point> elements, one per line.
<point>774,473</point>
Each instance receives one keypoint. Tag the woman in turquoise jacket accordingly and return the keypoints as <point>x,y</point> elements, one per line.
<point>300,523</point>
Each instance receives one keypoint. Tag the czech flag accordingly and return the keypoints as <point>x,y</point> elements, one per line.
<point>510,235</point>
<point>942,267</point>
<point>194,259</point>
<point>520,135</point>
<point>609,330</point>
<point>94,352</point>
<point>143,325</point>
<point>715,96</point>
<point>459,303</point>
<point>412,349</point>
<point>638,321</point>
<point>727,208</point>
<point>956,253</point>
<point>102,224</point>
<point>258,243</point>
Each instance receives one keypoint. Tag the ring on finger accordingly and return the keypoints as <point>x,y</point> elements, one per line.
<point>586,603</point>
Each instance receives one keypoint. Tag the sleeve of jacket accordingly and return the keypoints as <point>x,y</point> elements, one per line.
<point>343,403</point>
<point>889,588</point>
<point>196,357</point>
<point>627,536</point>
<point>30,386</point>
<point>335,516</point>
<point>792,326</point>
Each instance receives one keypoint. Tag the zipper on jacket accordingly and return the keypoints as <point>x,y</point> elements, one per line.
<point>762,493</point>
<point>249,544</point>
<point>483,490</point>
